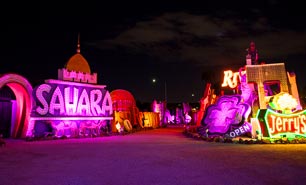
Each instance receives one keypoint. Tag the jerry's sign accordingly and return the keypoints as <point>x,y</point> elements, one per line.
<point>275,124</point>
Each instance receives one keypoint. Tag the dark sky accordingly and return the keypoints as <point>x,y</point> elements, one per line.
<point>130,43</point>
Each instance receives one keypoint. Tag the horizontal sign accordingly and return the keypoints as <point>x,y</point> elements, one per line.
<point>278,124</point>
<point>70,99</point>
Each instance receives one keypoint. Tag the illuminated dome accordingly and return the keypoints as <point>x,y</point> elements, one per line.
<point>78,63</point>
<point>121,94</point>
<point>122,100</point>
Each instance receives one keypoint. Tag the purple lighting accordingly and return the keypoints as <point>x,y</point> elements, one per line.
<point>68,99</point>
<point>226,115</point>
<point>22,90</point>
<point>70,109</point>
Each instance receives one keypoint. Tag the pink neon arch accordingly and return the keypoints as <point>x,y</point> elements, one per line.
<point>24,101</point>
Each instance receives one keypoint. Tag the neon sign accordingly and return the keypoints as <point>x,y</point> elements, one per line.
<point>243,129</point>
<point>60,98</point>
<point>284,101</point>
<point>230,79</point>
<point>276,124</point>
<point>227,115</point>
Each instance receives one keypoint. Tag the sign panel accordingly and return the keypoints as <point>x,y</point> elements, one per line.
<point>70,99</point>
<point>275,124</point>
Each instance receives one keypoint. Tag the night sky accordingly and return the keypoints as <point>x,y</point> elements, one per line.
<point>180,43</point>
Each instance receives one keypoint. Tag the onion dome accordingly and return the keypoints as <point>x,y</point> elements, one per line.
<point>77,62</point>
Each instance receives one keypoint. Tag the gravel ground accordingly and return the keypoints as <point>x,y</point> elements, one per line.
<point>161,156</point>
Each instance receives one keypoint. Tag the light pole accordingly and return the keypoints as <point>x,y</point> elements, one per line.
<point>165,91</point>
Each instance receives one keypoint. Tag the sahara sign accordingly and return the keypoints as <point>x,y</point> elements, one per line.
<point>60,98</point>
